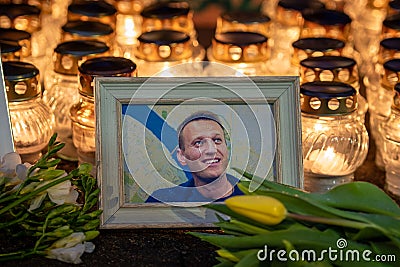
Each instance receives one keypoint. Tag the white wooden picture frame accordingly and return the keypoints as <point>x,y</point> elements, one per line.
<point>6,142</point>
<point>118,174</point>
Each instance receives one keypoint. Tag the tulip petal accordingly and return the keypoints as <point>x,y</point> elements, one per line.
<point>264,209</point>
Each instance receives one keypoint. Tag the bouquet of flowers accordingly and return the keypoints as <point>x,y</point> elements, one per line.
<point>53,210</point>
<point>353,224</point>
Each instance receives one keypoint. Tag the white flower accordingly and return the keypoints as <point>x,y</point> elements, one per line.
<point>70,248</point>
<point>9,163</point>
<point>12,171</point>
<point>59,194</point>
<point>69,241</point>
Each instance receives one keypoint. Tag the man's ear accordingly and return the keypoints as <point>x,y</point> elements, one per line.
<point>181,158</point>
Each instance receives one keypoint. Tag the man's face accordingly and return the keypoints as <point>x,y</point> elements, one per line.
<point>205,150</point>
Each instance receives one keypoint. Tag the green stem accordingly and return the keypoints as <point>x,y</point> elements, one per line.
<point>43,234</point>
<point>35,192</point>
<point>9,197</point>
<point>330,221</point>
<point>17,255</point>
<point>8,224</point>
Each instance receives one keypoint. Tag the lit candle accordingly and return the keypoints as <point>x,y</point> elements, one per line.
<point>391,144</point>
<point>335,142</point>
<point>326,161</point>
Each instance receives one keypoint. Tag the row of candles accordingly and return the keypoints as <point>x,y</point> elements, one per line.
<point>317,40</point>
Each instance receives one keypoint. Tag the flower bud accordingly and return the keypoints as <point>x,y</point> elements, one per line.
<point>264,209</point>
<point>89,235</point>
<point>227,255</point>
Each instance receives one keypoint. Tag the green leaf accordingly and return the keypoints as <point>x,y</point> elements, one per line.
<point>224,262</point>
<point>359,196</point>
<point>249,260</point>
<point>309,237</point>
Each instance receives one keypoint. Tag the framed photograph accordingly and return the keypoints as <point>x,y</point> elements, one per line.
<point>166,146</point>
<point>6,142</point>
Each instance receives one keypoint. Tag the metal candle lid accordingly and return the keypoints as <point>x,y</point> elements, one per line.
<point>392,22</point>
<point>22,16</point>
<point>163,45</point>
<point>289,11</point>
<point>100,11</point>
<point>393,7</point>
<point>391,26</point>
<point>166,10</point>
<point>246,21</point>
<point>23,38</point>
<point>391,74</point>
<point>10,50</point>
<point>103,67</point>
<point>173,15</point>
<point>389,49</point>
<point>334,68</point>
<point>328,98</point>
<point>239,47</point>
<point>244,17</point>
<point>316,46</point>
<point>326,23</point>
<point>21,80</point>
<point>88,30</point>
<point>68,55</point>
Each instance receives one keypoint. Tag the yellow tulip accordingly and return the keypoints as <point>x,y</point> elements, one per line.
<point>264,209</point>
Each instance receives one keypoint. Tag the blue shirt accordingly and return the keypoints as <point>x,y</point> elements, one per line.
<point>187,192</point>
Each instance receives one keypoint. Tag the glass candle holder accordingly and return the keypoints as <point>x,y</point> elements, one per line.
<point>31,119</point>
<point>23,38</point>
<point>389,48</point>
<point>89,10</point>
<point>334,141</point>
<point>366,26</point>
<point>62,86</point>
<point>82,113</point>
<point>285,30</point>
<point>335,69</point>
<point>315,47</point>
<point>21,17</point>
<point>391,144</point>
<point>129,23</point>
<point>326,23</point>
<point>393,7</point>
<point>164,15</point>
<point>391,26</point>
<point>246,52</point>
<point>245,21</point>
<point>89,31</point>
<point>28,18</point>
<point>159,50</point>
<point>381,106</point>
<point>10,50</point>
<point>289,12</point>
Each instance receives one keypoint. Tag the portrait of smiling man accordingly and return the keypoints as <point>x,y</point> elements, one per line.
<point>202,148</point>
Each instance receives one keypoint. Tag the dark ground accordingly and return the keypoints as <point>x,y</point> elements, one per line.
<point>161,247</point>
